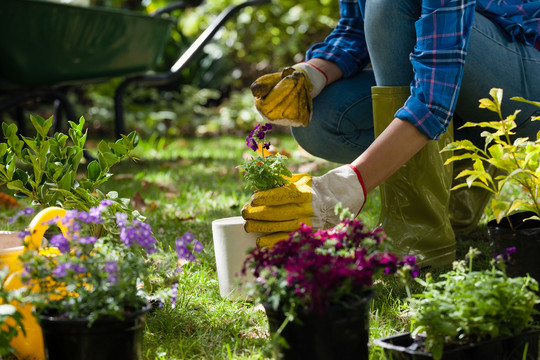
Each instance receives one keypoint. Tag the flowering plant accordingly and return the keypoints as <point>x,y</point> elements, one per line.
<point>265,171</point>
<point>315,269</point>
<point>86,276</point>
<point>469,305</point>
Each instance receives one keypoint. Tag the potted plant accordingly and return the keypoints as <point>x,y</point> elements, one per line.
<point>231,242</point>
<point>470,314</point>
<point>316,288</point>
<point>516,221</point>
<point>46,170</point>
<point>86,290</point>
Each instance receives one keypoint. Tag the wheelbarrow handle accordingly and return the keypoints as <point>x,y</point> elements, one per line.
<point>210,31</point>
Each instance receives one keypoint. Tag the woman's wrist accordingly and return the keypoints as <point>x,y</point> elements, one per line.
<point>330,69</point>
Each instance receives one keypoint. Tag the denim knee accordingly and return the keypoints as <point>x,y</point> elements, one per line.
<point>341,127</point>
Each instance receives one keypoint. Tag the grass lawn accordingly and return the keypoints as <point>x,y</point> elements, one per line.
<point>183,185</point>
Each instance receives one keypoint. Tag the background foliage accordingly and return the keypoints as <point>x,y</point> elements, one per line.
<point>213,94</point>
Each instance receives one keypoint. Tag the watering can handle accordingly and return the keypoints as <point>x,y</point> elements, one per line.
<point>40,224</point>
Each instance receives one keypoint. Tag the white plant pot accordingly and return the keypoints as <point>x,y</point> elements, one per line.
<point>231,244</point>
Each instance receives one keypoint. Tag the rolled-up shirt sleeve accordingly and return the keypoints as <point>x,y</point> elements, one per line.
<point>346,44</point>
<point>438,60</point>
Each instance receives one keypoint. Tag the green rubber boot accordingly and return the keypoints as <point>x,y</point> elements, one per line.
<point>415,200</point>
<point>467,204</point>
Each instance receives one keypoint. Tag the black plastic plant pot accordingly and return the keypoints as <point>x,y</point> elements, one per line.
<point>106,339</point>
<point>513,231</point>
<point>523,346</point>
<point>339,333</point>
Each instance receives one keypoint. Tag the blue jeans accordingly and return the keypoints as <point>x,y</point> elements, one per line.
<point>342,124</point>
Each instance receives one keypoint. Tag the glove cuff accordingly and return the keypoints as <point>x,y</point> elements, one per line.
<point>361,180</point>
<point>342,184</point>
<point>316,76</point>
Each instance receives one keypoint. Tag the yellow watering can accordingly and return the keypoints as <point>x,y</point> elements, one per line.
<point>29,346</point>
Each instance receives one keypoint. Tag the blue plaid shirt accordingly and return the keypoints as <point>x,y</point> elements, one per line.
<point>439,55</point>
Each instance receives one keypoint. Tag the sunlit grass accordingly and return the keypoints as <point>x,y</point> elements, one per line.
<point>183,185</point>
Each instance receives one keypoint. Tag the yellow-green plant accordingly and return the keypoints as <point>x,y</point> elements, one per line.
<point>517,160</point>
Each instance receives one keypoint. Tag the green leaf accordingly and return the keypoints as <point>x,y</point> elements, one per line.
<point>499,209</point>
<point>76,161</point>
<point>488,104</point>
<point>522,206</point>
<point>9,129</point>
<point>41,125</point>
<point>103,147</point>
<point>3,149</point>
<point>134,138</point>
<point>94,170</point>
<point>82,140</point>
<point>66,181</point>
<point>119,148</point>
<point>497,95</point>
<point>32,144</point>
<point>20,175</point>
<point>110,159</point>
<point>518,98</point>
<point>16,185</point>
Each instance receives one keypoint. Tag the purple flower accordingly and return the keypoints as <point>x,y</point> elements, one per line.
<point>94,214</point>
<point>106,202</point>
<point>26,211</point>
<point>86,240</point>
<point>127,236</point>
<point>174,294</point>
<point>59,241</point>
<point>85,217</point>
<point>197,246</point>
<point>121,219</point>
<point>111,268</point>
<point>23,234</point>
<point>320,267</point>
<point>257,135</point>
<point>506,256</point>
<point>62,269</point>
<point>75,227</point>
<point>68,218</point>
<point>138,232</point>
<point>53,221</point>
<point>78,268</point>
<point>186,245</point>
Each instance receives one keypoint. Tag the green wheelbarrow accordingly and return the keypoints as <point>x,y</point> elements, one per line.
<point>47,48</point>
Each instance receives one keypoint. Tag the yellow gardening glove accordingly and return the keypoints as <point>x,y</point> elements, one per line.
<point>306,199</point>
<point>285,98</point>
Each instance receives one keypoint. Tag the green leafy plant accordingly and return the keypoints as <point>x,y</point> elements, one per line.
<point>517,159</point>
<point>265,171</point>
<point>469,305</point>
<point>46,168</point>
<point>78,275</point>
